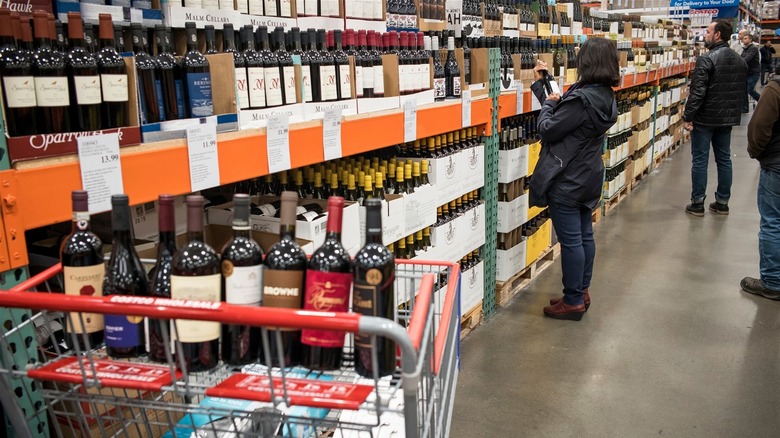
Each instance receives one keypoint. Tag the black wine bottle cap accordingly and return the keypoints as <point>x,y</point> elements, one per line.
<point>241,210</point>
<point>120,212</point>
<point>189,25</point>
<point>80,199</point>
<point>210,33</point>
<point>289,204</point>
<point>373,216</point>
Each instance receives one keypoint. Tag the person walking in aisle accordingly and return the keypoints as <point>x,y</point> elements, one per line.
<point>569,174</point>
<point>736,43</point>
<point>764,145</point>
<point>717,93</point>
<point>750,55</point>
<point>766,61</point>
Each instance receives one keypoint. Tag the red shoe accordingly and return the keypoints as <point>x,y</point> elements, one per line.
<point>585,294</point>
<point>561,310</point>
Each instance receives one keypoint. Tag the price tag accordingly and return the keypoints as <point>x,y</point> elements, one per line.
<point>466,108</point>
<point>520,97</point>
<point>331,133</point>
<point>101,169</point>
<point>204,159</point>
<point>410,120</point>
<point>561,82</point>
<point>278,142</point>
<point>535,104</point>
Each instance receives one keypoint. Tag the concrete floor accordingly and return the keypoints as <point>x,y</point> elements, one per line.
<point>670,346</point>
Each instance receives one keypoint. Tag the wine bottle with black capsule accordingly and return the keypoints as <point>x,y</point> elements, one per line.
<point>170,86</point>
<point>198,101</point>
<point>160,279</point>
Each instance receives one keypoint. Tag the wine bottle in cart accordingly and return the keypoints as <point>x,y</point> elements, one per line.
<point>242,280</point>
<point>328,283</point>
<point>283,285</point>
<point>83,271</point>
<point>125,275</point>
<point>160,279</point>
<point>196,276</point>
<point>374,294</point>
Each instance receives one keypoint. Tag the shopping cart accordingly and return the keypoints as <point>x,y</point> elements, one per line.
<point>86,393</point>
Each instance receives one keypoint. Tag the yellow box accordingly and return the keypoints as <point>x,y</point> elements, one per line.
<point>533,156</point>
<point>533,212</point>
<point>538,242</point>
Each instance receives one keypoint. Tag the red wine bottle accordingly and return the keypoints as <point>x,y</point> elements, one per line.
<point>283,285</point>
<point>198,101</point>
<point>242,279</point>
<point>18,81</point>
<point>169,83</point>
<point>148,82</point>
<point>328,283</point>
<point>274,93</point>
<point>239,66</point>
<point>374,294</point>
<point>286,68</point>
<point>84,78</point>
<point>363,58</point>
<point>113,77</point>
<point>211,40</point>
<point>375,40</point>
<point>328,88</point>
<point>83,270</point>
<point>195,276</point>
<point>255,71</point>
<point>452,71</point>
<point>160,278</point>
<point>52,92</point>
<point>125,275</point>
<point>306,92</point>
<point>341,61</point>
<point>439,76</point>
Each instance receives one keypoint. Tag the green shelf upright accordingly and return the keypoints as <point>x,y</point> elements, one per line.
<point>490,191</point>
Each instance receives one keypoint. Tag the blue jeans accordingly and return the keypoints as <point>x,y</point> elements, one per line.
<point>720,137</point>
<point>752,80</point>
<point>765,68</point>
<point>578,249</point>
<point>769,230</point>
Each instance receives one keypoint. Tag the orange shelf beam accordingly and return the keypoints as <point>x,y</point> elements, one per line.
<point>745,10</point>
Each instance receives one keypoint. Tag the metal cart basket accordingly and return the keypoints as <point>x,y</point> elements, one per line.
<point>80,391</point>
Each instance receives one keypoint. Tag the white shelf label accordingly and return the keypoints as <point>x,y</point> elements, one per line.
<point>278,143</point>
<point>519,97</point>
<point>101,169</point>
<point>410,120</point>
<point>204,157</point>
<point>466,108</point>
<point>331,133</point>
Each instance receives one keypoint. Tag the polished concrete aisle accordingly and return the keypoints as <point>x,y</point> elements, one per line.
<point>670,346</point>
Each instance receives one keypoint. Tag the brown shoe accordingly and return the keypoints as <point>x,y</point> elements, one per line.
<point>565,311</point>
<point>586,296</point>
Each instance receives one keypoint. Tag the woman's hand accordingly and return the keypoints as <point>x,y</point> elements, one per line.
<point>554,97</point>
<point>540,66</point>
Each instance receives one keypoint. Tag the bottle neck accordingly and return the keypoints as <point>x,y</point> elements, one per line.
<point>297,43</point>
<point>105,42</point>
<point>192,40</point>
<point>167,243</point>
<point>287,232</point>
<point>81,221</point>
<point>241,231</point>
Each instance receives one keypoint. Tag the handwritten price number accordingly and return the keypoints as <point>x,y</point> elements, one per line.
<point>109,158</point>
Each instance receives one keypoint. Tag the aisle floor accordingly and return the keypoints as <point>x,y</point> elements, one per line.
<point>670,346</point>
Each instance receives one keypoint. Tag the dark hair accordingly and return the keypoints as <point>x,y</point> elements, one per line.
<point>725,29</point>
<point>598,62</point>
<point>752,38</point>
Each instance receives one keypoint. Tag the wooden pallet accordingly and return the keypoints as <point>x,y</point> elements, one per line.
<point>660,159</point>
<point>470,320</point>
<point>615,200</point>
<point>639,178</point>
<point>596,217</point>
<point>506,290</point>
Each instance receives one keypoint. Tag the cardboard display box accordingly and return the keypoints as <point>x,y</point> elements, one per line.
<point>538,242</point>
<point>512,164</point>
<point>472,286</point>
<point>511,261</point>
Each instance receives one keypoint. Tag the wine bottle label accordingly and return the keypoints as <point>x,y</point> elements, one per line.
<point>199,91</point>
<point>200,288</point>
<point>285,8</point>
<point>425,76</point>
<point>359,84</point>
<point>255,7</point>
<point>273,86</point>
<point>19,91</point>
<point>439,88</point>
<point>346,81</point>
<point>379,79</point>
<point>328,82</point>
<point>306,81</point>
<point>368,77</point>
<point>370,297</point>
<point>256,84</point>
<point>310,7</point>
<point>300,210</point>
<point>283,290</point>
<point>456,86</point>
<point>289,84</point>
<point>418,76</point>
<point>52,91</point>
<point>326,292</point>
<point>193,4</point>
<point>242,284</point>
<point>84,281</point>
<point>532,27</point>
<point>330,8</point>
<point>179,87</point>
<point>268,210</point>
<point>357,8</point>
<point>309,215</point>
<point>123,331</point>
<point>160,99</point>
<point>299,7</point>
<point>226,5</point>
<point>242,6</point>
<point>242,92</point>
<point>270,8</point>
<point>114,87</point>
<point>210,4</point>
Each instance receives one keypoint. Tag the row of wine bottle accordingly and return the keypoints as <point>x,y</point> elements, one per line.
<point>241,275</point>
<point>509,240</point>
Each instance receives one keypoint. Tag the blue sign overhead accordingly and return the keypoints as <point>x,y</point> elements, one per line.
<point>705,4</point>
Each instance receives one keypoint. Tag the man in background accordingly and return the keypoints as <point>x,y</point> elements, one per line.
<point>717,93</point>
<point>767,51</point>
<point>764,146</point>
<point>751,56</point>
<point>736,44</point>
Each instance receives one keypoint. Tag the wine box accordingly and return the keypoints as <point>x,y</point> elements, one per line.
<point>534,151</point>
<point>538,242</point>
<point>30,147</point>
<point>510,261</point>
<point>472,286</point>
<point>512,214</point>
<point>404,214</point>
<point>457,238</point>
<point>457,174</point>
<point>513,164</point>
<point>223,91</point>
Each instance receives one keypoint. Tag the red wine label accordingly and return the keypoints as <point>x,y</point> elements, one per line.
<point>273,86</point>
<point>346,82</point>
<point>285,9</point>
<point>379,79</point>
<point>200,288</point>
<point>242,284</point>
<point>19,91</point>
<point>328,82</point>
<point>309,215</point>
<point>114,87</point>
<point>84,281</point>
<point>425,76</point>
<point>268,210</point>
<point>456,86</point>
<point>270,8</point>
<point>368,77</point>
<point>359,84</point>
<point>310,7</point>
<point>242,90</point>
<point>256,85</point>
<point>52,91</point>
<point>289,83</point>
<point>283,290</point>
<point>369,298</point>
<point>87,89</point>
<point>439,88</point>
<point>403,78</point>
<point>326,292</point>
<point>256,7</point>
<point>211,4</point>
<point>242,6</point>
<point>306,80</point>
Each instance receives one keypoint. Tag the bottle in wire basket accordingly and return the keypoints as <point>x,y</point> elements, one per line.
<point>83,270</point>
<point>196,276</point>
<point>160,279</point>
<point>242,280</point>
<point>125,275</point>
<point>374,294</point>
<point>197,79</point>
<point>84,78</point>
<point>283,285</point>
<point>328,283</point>
<point>18,82</point>
<point>113,77</point>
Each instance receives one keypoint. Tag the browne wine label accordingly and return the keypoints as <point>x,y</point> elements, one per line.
<point>283,289</point>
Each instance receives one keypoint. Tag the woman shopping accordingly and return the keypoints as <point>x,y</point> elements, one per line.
<point>569,175</point>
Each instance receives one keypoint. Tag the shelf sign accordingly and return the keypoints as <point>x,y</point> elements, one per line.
<point>410,120</point>
<point>278,143</point>
<point>331,133</point>
<point>101,169</point>
<point>203,155</point>
<point>520,92</point>
<point>466,108</point>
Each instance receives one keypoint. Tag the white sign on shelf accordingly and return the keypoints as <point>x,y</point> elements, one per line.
<point>410,120</point>
<point>520,96</point>
<point>278,143</point>
<point>331,133</point>
<point>101,169</point>
<point>466,108</point>
<point>203,155</point>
